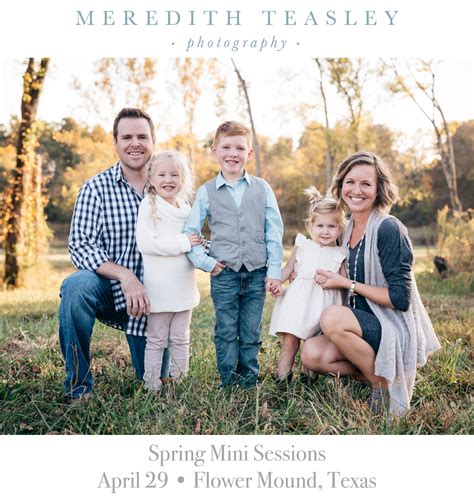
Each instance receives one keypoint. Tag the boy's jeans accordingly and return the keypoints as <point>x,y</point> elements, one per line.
<point>238,301</point>
<point>85,296</point>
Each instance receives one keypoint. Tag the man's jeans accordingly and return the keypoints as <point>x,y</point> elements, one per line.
<point>85,296</point>
<point>238,301</point>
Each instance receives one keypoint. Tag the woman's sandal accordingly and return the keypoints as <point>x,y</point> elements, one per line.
<point>379,401</point>
<point>308,378</point>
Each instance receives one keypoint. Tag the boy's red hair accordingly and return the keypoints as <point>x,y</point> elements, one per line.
<point>231,128</point>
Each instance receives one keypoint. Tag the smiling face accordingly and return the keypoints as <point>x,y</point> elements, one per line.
<point>359,188</point>
<point>134,144</point>
<point>167,180</point>
<point>232,154</point>
<point>325,229</point>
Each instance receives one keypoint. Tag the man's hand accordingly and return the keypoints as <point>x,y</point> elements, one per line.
<point>217,269</point>
<point>138,302</point>
<point>272,285</point>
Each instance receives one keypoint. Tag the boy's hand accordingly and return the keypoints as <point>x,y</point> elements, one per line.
<point>277,291</point>
<point>217,269</point>
<point>292,276</point>
<point>271,284</point>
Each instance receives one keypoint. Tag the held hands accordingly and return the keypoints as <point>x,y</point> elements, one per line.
<point>319,279</point>
<point>292,276</point>
<point>277,291</point>
<point>273,285</point>
<point>330,280</point>
<point>138,303</point>
<point>217,269</point>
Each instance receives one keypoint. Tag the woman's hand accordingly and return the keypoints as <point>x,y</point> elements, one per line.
<point>331,280</point>
<point>319,279</point>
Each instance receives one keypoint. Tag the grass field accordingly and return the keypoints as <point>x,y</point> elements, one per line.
<point>31,374</point>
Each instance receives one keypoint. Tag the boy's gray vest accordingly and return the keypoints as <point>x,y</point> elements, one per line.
<point>238,234</point>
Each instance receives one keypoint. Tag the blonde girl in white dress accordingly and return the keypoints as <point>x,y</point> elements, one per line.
<point>298,308</point>
<point>169,277</point>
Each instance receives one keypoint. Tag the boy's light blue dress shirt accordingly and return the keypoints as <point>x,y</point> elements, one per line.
<point>273,225</point>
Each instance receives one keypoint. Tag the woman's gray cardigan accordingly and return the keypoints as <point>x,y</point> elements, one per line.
<point>408,338</point>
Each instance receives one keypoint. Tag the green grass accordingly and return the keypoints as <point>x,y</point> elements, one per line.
<point>31,374</point>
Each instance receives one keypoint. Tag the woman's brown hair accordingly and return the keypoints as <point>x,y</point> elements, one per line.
<point>387,191</point>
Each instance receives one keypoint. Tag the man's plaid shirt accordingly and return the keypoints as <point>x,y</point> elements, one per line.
<point>103,229</point>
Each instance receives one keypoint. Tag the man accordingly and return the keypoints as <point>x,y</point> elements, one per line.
<point>102,245</point>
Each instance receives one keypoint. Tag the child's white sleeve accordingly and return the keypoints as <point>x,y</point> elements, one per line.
<point>300,240</point>
<point>156,245</point>
<point>150,242</point>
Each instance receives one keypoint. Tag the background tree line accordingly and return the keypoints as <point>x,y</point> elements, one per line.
<point>43,164</point>
<point>71,152</point>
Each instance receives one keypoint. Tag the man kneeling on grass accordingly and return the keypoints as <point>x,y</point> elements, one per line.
<point>102,245</point>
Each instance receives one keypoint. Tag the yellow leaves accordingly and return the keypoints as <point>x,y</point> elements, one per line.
<point>122,81</point>
<point>456,238</point>
<point>149,68</point>
<point>33,79</point>
<point>7,156</point>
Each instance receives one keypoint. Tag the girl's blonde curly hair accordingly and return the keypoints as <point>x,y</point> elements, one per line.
<point>182,165</point>
<point>321,204</point>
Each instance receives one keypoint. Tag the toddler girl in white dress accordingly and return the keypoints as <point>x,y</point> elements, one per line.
<point>298,308</point>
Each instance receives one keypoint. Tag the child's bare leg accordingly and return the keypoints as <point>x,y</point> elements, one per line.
<point>289,348</point>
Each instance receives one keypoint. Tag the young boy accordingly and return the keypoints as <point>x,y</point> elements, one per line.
<point>245,254</point>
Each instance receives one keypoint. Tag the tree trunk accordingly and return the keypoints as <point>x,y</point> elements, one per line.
<point>22,206</point>
<point>449,165</point>
<point>256,146</point>
<point>444,142</point>
<point>345,74</point>
<point>330,153</point>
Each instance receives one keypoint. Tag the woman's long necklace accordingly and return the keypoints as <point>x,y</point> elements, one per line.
<point>351,295</point>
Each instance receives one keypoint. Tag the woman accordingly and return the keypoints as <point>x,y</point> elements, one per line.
<point>384,332</point>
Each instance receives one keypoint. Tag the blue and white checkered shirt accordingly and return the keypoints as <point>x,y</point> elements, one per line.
<point>103,228</point>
